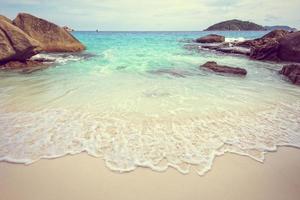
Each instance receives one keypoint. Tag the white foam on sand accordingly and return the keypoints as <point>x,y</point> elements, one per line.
<point>126,142</point>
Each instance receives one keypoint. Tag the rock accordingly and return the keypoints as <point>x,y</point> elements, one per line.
<point>212,38</point>
<point>292,72</point>
<point>266,51</point>
<point>273,35</point>
<point>224,69</point>
<point>5,19</point>
<point>27,66</point>
<point>52,37</point>
<point>15,45</point>
<point>290,47</point>
<point>266,47</point>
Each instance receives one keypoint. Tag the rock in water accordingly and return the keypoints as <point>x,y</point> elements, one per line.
<point>212,38</point>
<point>15,45</point>
<point>290,47</point>
<point>52,37</point>
<point>278,45</point>
<point>224,69</point>
<point>292,72</point>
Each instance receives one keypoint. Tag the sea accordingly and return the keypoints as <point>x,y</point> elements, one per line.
<point>140,99</point>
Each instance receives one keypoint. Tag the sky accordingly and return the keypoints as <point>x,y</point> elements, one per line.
<point>155,15</point>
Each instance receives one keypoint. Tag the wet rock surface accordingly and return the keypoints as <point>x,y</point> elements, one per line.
<point>292,72</point>
<point>213,66</point>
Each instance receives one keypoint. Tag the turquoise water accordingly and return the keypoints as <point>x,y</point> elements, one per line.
<point>140,99</point>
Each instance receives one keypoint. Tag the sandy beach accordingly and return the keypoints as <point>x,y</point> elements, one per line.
<point>84,177</point>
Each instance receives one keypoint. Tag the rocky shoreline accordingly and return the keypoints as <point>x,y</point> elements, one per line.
<point>26,36</point>
<point>277,46</point>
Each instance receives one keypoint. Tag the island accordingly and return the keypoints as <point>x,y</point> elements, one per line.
<point>235,25</point>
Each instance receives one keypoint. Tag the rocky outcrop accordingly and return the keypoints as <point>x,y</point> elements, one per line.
<point>292,72</point>
<point>224,69</point>
<point>51,37</point>
<point>275,35</point>
<point>5,19</point>
<point>289,49</point>
<point>235,25</point>
<point>212,38</point>
<point>15,45</point>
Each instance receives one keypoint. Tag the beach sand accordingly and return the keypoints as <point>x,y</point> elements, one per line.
<point>84,177</point>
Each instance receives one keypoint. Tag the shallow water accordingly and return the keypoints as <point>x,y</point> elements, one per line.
<point>140,99</point>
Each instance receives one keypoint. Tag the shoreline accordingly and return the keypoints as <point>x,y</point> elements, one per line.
<point>80,176</point>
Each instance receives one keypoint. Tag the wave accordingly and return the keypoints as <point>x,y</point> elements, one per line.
<point>63,58</point>
<point>231,39</point>
<point>126,142</point>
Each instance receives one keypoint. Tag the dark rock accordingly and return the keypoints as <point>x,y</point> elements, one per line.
<point>51,37</point>
<point>266,51</point>
<point>292,72</point>
<point>15,44</point>
<point>290,47</point>
<point>27,66</point>
<point>275,35</point>
<point>212,38</point>
<point>266,47</point>
<point>224,69</point>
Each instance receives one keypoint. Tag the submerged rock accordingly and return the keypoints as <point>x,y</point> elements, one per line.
<point>15,45</point>
<point>52,37</point>
<point>171,72</point>
<point>212,38</point>
<point>292,72</point>
<point>224,69</point>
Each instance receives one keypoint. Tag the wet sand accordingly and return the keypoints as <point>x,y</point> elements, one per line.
<point>84,177</point>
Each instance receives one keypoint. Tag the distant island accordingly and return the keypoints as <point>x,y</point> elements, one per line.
<point>239,25</point>
<point>286,28</point>
<point>235,25</point>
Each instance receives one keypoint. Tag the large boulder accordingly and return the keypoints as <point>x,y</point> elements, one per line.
<point>290,47</point>
<point>278,45</point>
<point>224,69</point>
<point>212,38</point>
<point>265,51</point>
<point>275,35</point>
<point>15,45</point>
<point>52,37</point>
<point>292,72</point>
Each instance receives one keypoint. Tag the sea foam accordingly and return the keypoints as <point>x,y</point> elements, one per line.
<point>126,143</point>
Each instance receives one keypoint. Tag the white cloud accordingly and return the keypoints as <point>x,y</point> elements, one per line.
<point>156,14</point>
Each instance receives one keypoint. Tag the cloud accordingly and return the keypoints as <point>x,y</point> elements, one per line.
<point>155,14</point>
